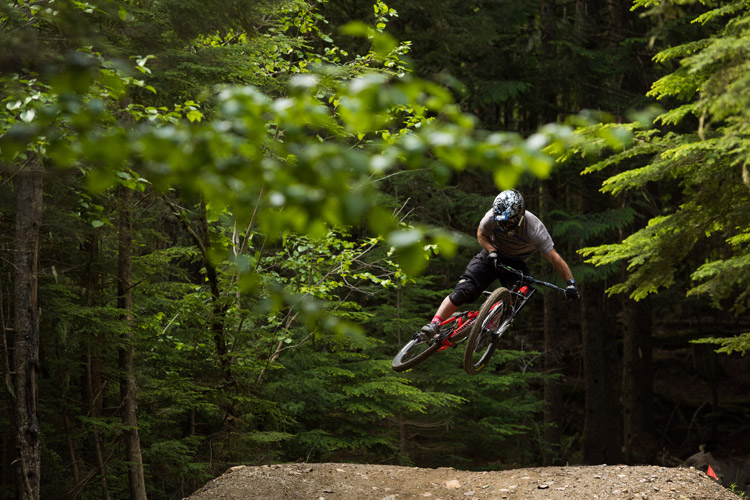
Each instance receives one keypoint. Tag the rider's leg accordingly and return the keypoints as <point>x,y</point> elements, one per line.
<point>447,307</point>
<point>478,275</point>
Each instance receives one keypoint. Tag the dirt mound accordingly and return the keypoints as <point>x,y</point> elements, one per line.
<point>332,481</point>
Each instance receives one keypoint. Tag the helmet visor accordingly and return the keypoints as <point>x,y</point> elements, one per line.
<point>506,224</point>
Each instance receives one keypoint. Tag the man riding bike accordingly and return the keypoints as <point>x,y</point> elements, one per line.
<point>508,234</point>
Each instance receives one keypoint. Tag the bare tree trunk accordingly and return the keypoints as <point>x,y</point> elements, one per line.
<point>637,383</point>
<point>554,336</point>
<point>63,379</point>
<point>5,486</point>
<point>548,93</point>
<point>90,398</point>
<point>553,392</point>
<point>6,482</point>
<point>602,432</point>
<point>618,18</point>
<point>24,361</point>
<point>91,384</point>
<point>71,447</point>
<point>548,21</point>
<point>128,389</point>
<point>587,21</point>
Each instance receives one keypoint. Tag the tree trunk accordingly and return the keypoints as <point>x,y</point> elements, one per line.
<point>548,92</point>
<point>5,481</point>
<point>548,18</point>
<point>25,357</point>
<point>553,392</point>
<point>637,383</point>
<point>618,19</point>
<point>63,379</point>
<point>602,434</point>
<point>219,306</point>
<point>219,303</point>
<point>554,336</point>
<point>92,400</point>
<point>128,390</point>
<point>587,22</point>
<point>92,385</point>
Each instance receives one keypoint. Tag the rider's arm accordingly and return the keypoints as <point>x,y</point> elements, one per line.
<point>562,268</point>
<point>484,240</point>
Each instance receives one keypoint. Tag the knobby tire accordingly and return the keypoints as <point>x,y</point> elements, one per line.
<point>484,340</point>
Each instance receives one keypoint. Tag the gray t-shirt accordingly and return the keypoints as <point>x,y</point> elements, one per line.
<point>521,243</point>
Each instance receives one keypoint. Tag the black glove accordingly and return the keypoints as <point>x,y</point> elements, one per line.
<point>492,256</point>
<point>571,291</point>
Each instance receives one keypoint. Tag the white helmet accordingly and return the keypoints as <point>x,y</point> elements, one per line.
<point>508,209</point>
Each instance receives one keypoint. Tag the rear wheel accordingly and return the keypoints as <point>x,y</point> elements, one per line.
<point>417,350</point>
<point>485,332</point>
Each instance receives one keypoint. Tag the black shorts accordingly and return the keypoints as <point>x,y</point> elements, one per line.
<point>480,273</point>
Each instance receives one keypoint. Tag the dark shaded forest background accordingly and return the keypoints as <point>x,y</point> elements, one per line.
<point>153,299</point>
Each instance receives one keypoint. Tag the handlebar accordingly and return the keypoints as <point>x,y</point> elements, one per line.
<point>525,278</point>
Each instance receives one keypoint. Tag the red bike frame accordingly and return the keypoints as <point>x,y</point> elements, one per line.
<point>465,320</point>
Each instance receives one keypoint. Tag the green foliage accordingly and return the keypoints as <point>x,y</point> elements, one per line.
<point>243,142</point>
<point>177,152</point>
<point>702,228</point>
<point>728,345</point>
<point>272,278</point>
<point>499,411</point>
<point>592,225</point>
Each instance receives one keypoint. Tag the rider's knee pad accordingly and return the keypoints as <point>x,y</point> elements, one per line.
<point>464,292</point>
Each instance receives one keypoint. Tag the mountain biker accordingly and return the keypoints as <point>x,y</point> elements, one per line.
<point>508,234</point>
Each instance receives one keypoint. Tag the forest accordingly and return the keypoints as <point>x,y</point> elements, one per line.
<point>222,219</point>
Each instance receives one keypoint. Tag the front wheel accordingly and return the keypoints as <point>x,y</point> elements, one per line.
<point>486,330</point>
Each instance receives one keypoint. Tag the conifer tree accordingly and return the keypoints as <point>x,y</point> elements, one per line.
<point>700,140</point>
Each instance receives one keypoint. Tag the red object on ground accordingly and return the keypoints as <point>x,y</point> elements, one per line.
<point>711,473</point>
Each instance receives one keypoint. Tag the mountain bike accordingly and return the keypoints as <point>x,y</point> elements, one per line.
<point>495,317</point>
<point>452,331</point>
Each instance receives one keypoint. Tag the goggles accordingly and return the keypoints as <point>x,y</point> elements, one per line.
<point>506,225</point>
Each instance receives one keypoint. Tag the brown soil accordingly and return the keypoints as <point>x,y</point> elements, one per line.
<point>331,481</point>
